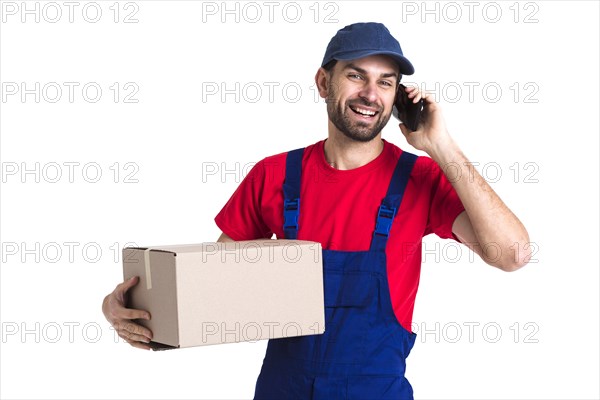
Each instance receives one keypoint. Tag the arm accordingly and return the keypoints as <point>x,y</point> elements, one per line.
<point>488,226</point>
<point>224,238</point>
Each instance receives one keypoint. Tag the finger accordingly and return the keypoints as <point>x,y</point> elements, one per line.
<point>126,335</point>
<point>118,310</point>
<point>138,345</point>
<point>415,94</point>
<point>130,328</point>
<point>121,312</point>
<point>412,91</point>
<point>428,97</point>
<point>121,290</point>
<point>127,284</point>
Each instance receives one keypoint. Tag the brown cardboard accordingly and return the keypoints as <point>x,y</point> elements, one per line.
<point>210,293</point>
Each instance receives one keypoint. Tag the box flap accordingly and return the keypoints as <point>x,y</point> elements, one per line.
<point>155,292</point>
<point>152,248</point>
<point>216,246</point>
<point>156,346</point>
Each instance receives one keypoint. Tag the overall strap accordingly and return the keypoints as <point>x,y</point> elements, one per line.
<point>291,193</point>
<point>391,202</point>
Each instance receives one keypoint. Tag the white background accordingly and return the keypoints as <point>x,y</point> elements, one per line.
<point>535,331</point>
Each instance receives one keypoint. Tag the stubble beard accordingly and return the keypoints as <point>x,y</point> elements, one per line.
<point>354,130</point>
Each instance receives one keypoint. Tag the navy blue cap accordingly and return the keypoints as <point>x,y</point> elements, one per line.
<point>366,39</point>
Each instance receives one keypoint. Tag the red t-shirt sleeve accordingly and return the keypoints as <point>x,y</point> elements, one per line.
<point>241,217</point>
<point>445,204</point>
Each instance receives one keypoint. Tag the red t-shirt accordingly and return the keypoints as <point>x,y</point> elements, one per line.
<point>338,208</point>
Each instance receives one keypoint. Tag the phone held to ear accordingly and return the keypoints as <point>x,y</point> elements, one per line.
<point>405,110</point>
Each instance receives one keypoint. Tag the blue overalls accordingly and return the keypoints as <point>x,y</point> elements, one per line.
<point>362,354</point>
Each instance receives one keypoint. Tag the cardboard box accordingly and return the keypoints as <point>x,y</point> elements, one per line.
<point>210,293</point>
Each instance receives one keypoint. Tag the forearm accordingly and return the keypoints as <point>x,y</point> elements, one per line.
<point>500,235</point>
<point>224,238</point>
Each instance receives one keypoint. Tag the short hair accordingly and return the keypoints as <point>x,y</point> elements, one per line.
<point>329,66</point>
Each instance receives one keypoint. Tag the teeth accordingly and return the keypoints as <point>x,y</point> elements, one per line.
<point>364,112</point>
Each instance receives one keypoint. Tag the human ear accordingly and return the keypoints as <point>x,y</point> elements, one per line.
<point>322,81</point>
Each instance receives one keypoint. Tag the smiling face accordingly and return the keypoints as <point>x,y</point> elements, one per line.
<point>360,94</point>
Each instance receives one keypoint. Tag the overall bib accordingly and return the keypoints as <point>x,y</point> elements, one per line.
<point>362,354</point>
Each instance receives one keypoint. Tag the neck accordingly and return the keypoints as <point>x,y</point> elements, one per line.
<point>343,153</point>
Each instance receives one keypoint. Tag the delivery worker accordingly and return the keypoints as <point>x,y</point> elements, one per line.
<point>369,204</point>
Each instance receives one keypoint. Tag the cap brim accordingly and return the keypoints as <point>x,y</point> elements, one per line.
<point>406,68</point>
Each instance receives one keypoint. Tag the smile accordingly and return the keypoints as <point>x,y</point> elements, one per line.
<point>364,112</point>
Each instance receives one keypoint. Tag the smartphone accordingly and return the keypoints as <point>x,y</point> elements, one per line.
<point>407,111</point>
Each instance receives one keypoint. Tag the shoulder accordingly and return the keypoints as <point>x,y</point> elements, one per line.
<point>425,167</point>
<point>272,168</point>
<point>279,159</point>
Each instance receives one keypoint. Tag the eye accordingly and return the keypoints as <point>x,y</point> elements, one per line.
<point>355,76</point>
<point>387,83</point>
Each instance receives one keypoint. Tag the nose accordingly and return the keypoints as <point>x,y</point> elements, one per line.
<point>368,91</point>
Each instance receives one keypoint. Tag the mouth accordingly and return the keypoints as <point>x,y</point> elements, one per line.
<point>365,112</point>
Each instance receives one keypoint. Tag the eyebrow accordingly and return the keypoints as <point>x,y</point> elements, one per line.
<point>364,72</point>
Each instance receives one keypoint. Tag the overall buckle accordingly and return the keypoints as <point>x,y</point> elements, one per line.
<point>290,213</point>
<point>385,217</point>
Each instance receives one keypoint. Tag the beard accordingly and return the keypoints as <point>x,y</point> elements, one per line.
<point>359,131</point>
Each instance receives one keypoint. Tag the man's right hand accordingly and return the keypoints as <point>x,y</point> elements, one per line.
<point>120,316</point>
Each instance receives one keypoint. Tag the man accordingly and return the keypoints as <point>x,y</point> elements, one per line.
<point>369,204</point>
